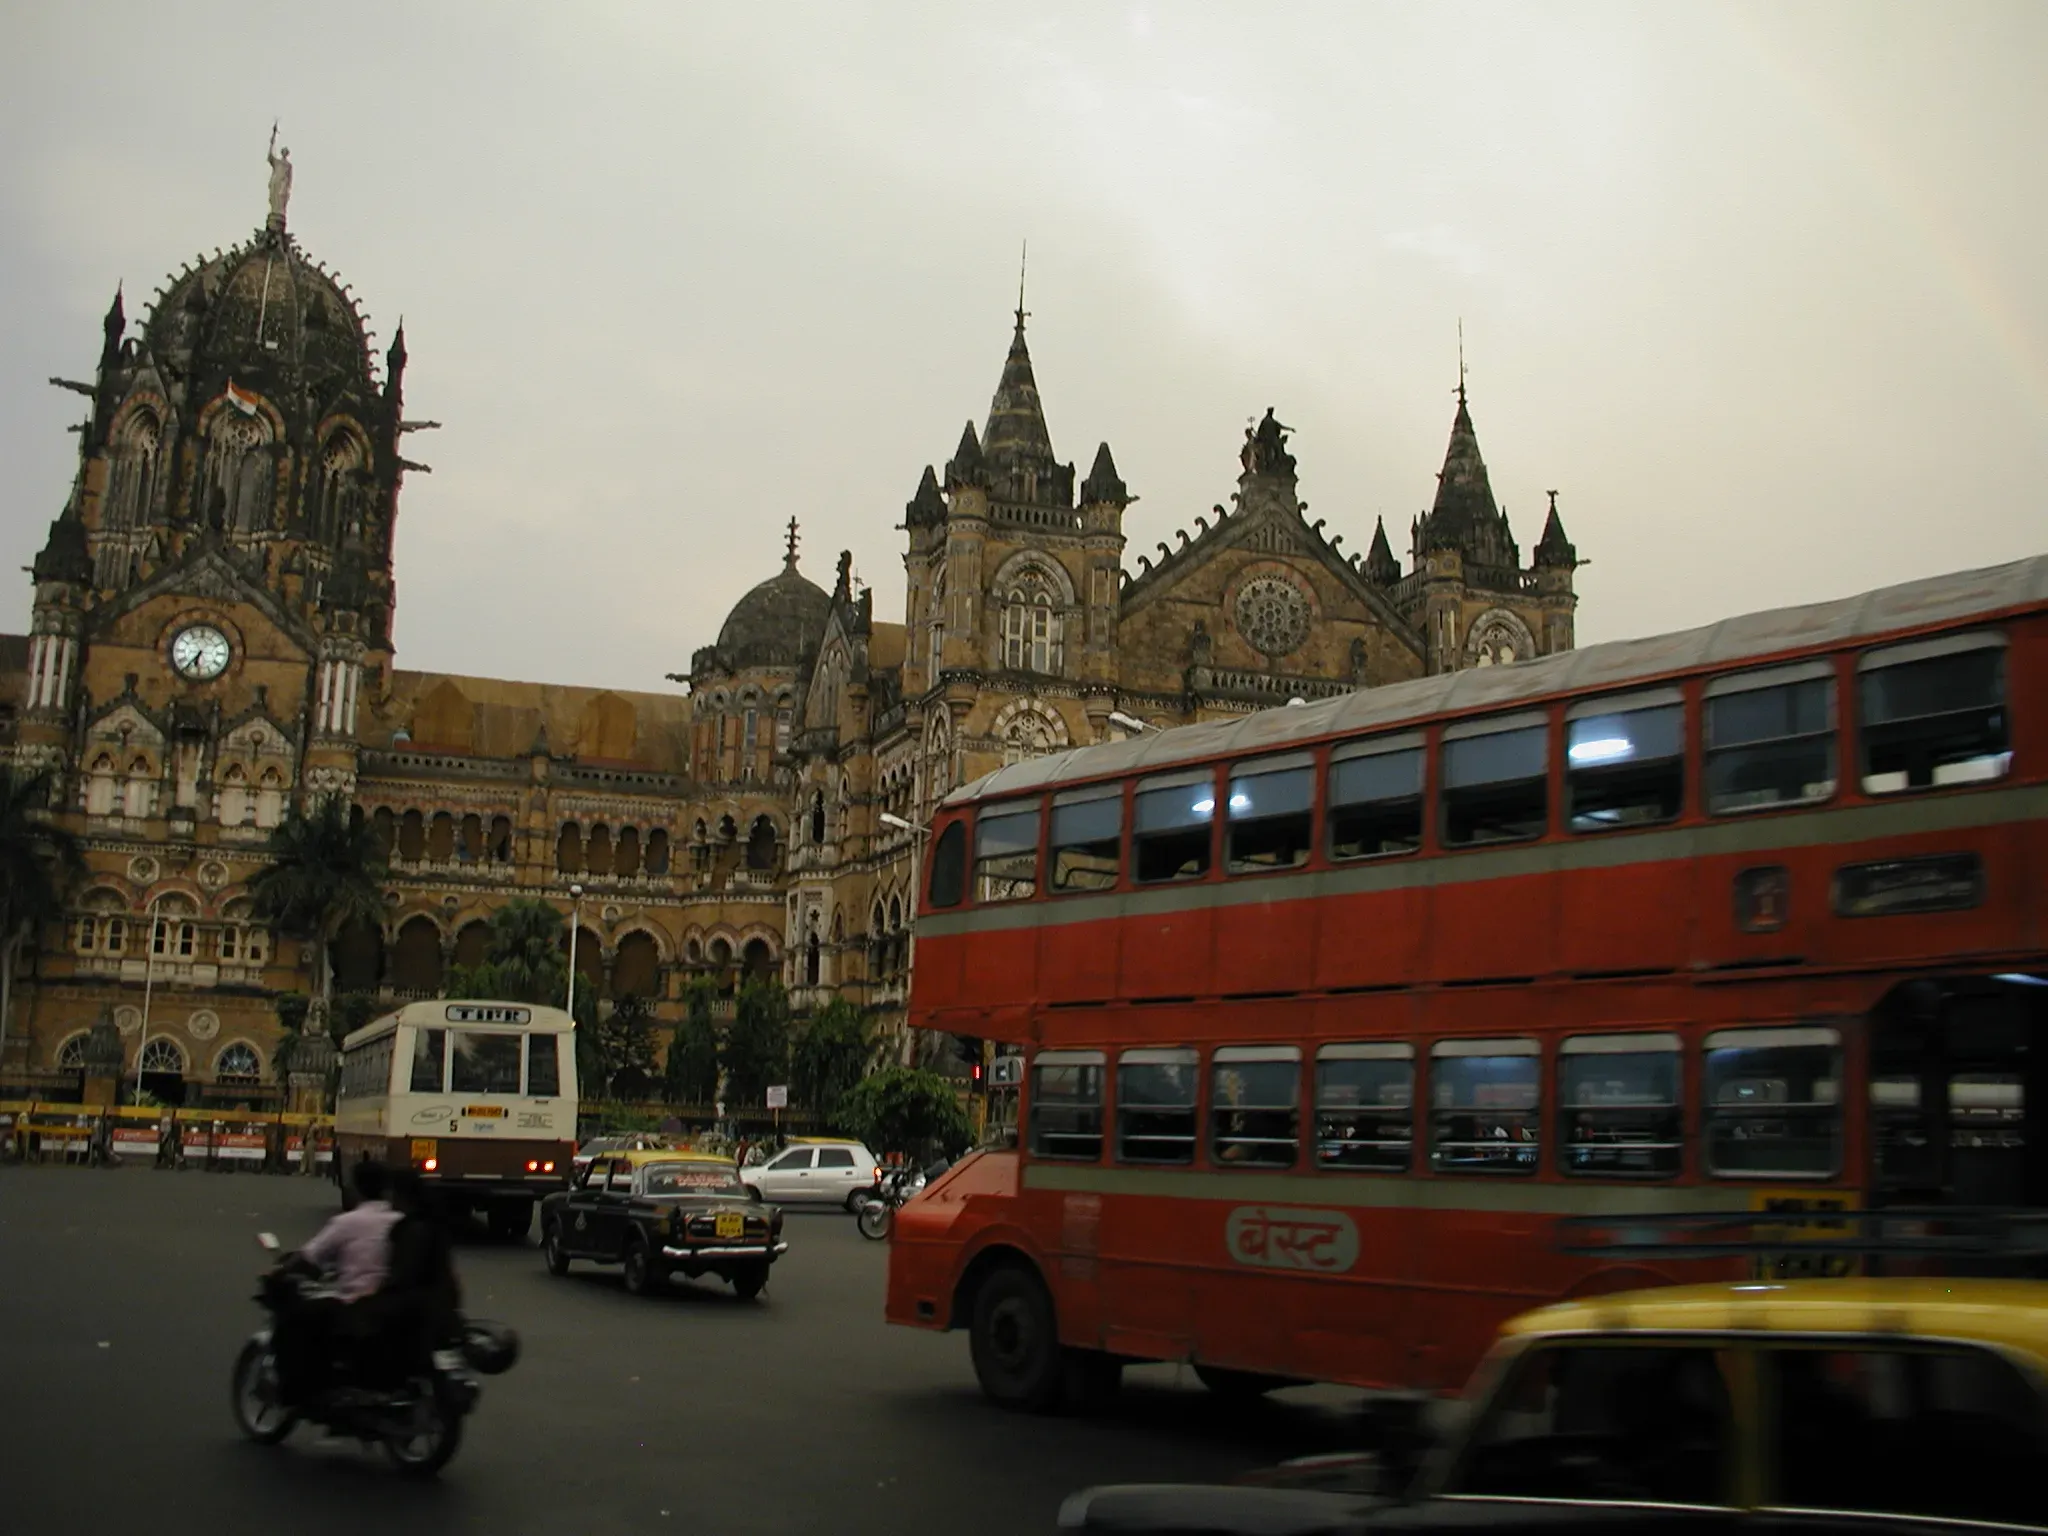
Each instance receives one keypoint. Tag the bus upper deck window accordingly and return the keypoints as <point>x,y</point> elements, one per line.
<point>1773,1103</point>
<point>948,885</point>
<point>1495,787</point>
<point>1619,1105</point>
<point>1933,714</point>
<point>1172,815</point>
<point>1624,761</point>
<point>1770,738</point>
<point>1484,1102</point>
<point>1066,1105</point>
<point>1365,1106</point>
<point>1006,853</point>
<point>1271,807</point>
<point>1087,838</point>
<point>429,1068</point>
<point>543,1066</point>
<point>1375,800</point>
<point>1255,1105</point>
<point>1155,1105</point>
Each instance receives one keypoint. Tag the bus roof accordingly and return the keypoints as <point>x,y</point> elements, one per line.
<point>467,1013</point>
<point>1934,600</point>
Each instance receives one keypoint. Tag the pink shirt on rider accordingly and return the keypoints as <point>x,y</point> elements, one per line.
<point>356,1245</point>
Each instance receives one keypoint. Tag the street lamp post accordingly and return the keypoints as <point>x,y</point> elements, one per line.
<point>575,922</point>
<point>1130,723</point>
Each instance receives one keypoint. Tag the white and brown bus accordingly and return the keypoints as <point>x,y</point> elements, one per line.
<point>480,1097</point>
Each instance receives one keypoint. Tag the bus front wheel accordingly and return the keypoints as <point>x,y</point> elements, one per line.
<point>1015,1341</point>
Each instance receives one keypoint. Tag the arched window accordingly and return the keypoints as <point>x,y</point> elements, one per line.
<point>636,970</point>
<point>163,1054</point>
<point>597,850</point>
<point>657,852</point>
<point>469,841</point>
<point>139,794</point>
<point>71,1054</point>
<point>812,950</point>
<point>238,1063</point>
<point>569,849</point>
<point>935,625</point>
<point>412,837</point>
<point>1032,623</point>
<point>761,844</point>
<point>270,798</point>
<point>895,913</point>
<point>241,471</point>
<point>338,507</point>
<point>817,816</point>
<point>416,957</point>
<point>384,828</point>
<point>501,839</point>
<point>232,804</point>
<point>132,477</point>
<point>626,852</point>
<point>441,838</point>
<point>99,787</point>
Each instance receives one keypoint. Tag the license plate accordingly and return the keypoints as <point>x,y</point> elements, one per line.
<point>422,1150</point>
<point>730,1224</point>
<point>483,1111</point>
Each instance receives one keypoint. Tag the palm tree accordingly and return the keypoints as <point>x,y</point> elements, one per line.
<point>38,861</point>
<point>326,872</point>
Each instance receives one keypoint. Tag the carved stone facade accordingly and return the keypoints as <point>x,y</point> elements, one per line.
<point>211,644</point>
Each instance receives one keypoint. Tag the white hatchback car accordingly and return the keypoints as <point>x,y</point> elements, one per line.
<point>816,1170</point>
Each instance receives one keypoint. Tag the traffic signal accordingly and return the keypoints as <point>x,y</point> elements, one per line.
<point>968,1049</point>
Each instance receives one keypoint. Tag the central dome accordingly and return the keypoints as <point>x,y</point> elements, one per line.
<point>778,624</point>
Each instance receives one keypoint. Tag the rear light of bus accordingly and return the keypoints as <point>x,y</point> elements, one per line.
<point>547,1167</point>
<point>430,1165</point>
<point>533,1165</point>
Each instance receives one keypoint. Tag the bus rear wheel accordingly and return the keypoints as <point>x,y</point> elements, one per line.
<point>511,1220</point>
<point>1014,1338</point>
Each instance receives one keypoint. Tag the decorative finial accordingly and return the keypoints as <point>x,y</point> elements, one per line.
<point>1461,359</point>
<point>1023,314</point>
<point>789,554</point>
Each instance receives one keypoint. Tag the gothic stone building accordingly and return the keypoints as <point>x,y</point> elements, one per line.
<point>1025,631</point>
<point>211,644</point>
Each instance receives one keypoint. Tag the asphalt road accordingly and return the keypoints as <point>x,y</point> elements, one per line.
<point>124,1295</point>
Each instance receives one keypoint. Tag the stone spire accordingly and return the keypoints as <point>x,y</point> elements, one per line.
<point>1380,565</point>
<point>967,466</point>
<point>1464,516</point>
<point>928,506</point>
<point>1554,549</point>
<point>1016,432</point>
<point>113,328</point>
<point>65,556</point>
<point>1103,483</point>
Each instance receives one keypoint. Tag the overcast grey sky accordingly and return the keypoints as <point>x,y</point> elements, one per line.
<point>1756,287</point>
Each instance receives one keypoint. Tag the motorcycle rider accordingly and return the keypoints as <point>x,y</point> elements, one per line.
<point>421,1297</point>
<point>356,1246</point>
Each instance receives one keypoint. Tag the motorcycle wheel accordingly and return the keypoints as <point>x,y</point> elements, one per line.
<point>258,1413</point>
<point>874,1220</point>
<point>429,1437</point>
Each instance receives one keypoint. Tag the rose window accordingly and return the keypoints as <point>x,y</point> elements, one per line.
<point>1273,615</point>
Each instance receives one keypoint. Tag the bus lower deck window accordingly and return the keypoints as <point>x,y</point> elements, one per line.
<point>484,1063</point>
<point>1375,800</point>
<point>543,1066</point>
<point>1087,838</point>
<point>1271,809</point>
<point>1170,834</point>
<point>429,1052</point>
<point>1066,1106</point>
<point>1484,1105</point>
<point>1495,785</point>
<point>1155,1106</point>
<point>1365,1106</point>
<point>1773,1103</point>
<point>1933,714</point>
<point>1006,854</point>
<point>1254,1106</point>
<point>1624,767</point>
<point>1770,738</point>
<point>1619,1104</point>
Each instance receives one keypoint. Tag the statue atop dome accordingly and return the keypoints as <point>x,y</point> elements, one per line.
<point>280,180</point>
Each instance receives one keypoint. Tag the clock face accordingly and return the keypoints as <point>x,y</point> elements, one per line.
<point>201,652</point>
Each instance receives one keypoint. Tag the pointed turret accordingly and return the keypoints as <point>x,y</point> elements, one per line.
<point>966,467</point>
<point>394,363</point>
<point>1554,549</point>
<point>114,327</point>
<point>65,556</point>
<point>1380,565</point>
<point>1016,432</point>
<point>928,506</point>
<point>1103,483</point>
<point>1465,516</point>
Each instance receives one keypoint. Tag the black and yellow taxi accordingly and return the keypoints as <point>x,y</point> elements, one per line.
<point>1875,1404</point>
<point>658,1212</point>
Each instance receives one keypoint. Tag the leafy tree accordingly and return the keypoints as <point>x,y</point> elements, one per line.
<point>326,871</point>
<point>39,860</point>
<point>830,1056</point>
<point>691,1076</point>
<point>756,1053</point>
<point>524,961</point>
<point>904,1109</point>
<point>622,1044</point>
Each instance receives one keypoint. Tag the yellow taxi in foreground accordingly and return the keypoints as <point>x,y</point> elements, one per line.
<point>1828,1405</point>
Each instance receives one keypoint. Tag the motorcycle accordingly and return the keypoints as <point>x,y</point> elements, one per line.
<point>878,1211</point>
<point>417,1422</point>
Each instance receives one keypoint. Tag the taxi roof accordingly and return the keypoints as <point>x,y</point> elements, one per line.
<point>824,1141</point>
<point>2012,1313</point>
<point>641,1156</point>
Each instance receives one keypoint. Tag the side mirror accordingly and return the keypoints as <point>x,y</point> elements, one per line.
<point>268,1242</point>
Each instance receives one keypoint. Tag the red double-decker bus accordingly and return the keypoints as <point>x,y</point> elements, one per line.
<point>1333,1010</point>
